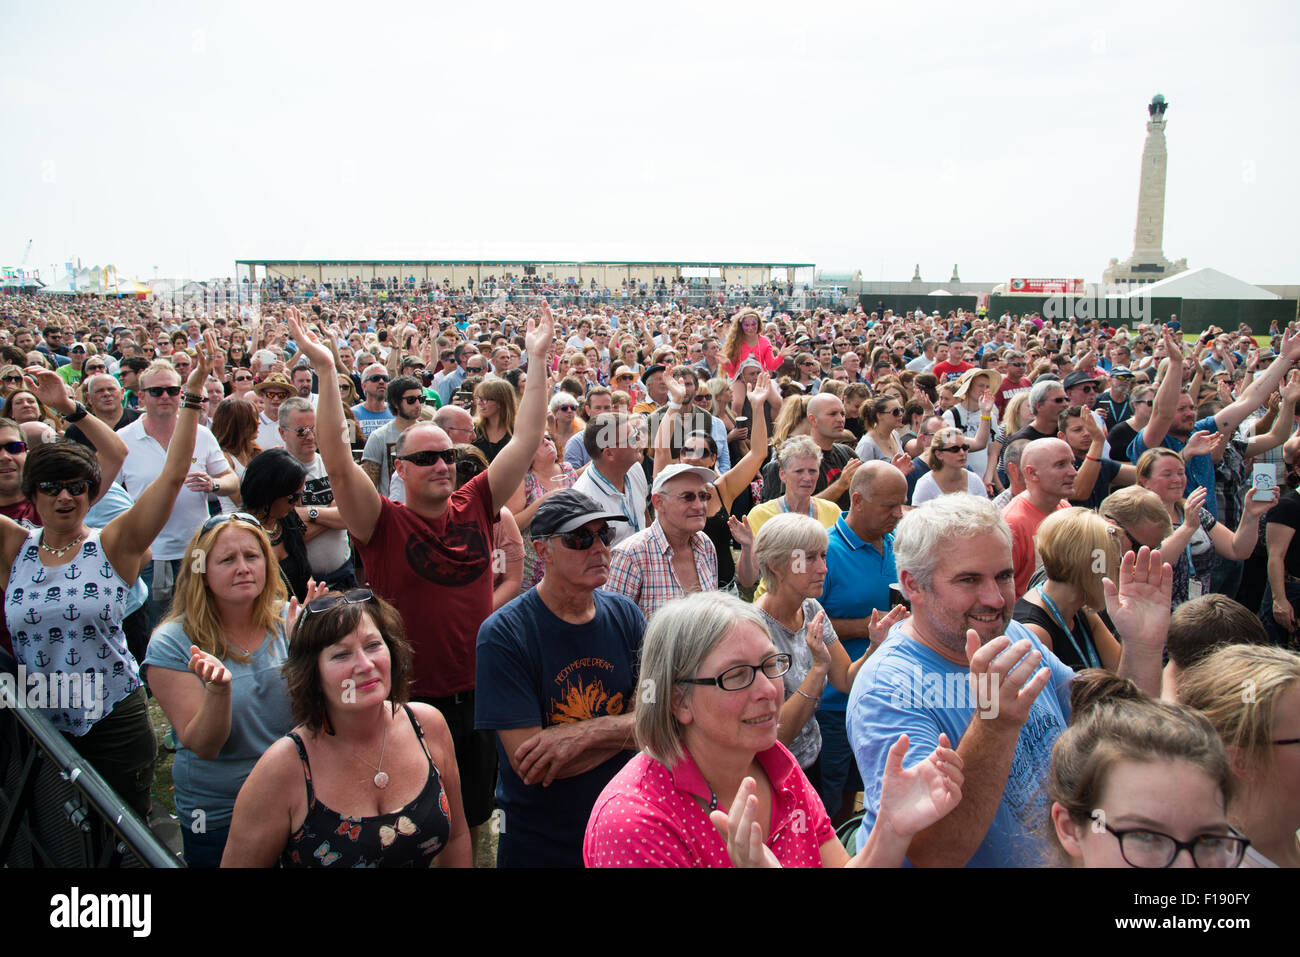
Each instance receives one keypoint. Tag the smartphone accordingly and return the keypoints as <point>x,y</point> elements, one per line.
<point>1263,479</point>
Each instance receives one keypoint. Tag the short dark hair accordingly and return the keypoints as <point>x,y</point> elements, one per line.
<point>599,428</point>
<point>136,364</point>
<point>1199,626</point>
<point>399,387</point>
<point>316,631</point>
<point>60,460</point>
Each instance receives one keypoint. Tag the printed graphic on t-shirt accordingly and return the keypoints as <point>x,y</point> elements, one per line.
<point>582,694</point>
<point>317,491</point>
<point>457,557</point>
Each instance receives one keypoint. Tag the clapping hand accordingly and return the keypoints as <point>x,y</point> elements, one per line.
<point>740,531</point>
<point>1203,443</point>
<point>880,623</point>
<point>912,799</point>
<point>741,830</point>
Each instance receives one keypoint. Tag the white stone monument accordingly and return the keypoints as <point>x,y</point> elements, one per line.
<point>1148,262</point>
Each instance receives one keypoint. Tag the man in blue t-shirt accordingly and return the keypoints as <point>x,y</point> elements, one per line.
<point>855,594</point>
<point>1173,417</point>
<point>374,411</point>
<point>556,681</point>
<point>948,670</point>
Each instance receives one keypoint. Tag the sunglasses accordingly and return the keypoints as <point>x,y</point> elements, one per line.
<point>273,395</point>
<point>952,448</point>
<point>158,391</point>
<point>584,538</point>
<point>566,408</point>
<point>73,487</point>
<point>356,596</point>
<point>377,378</point>
<point>894,412</point>
<point>14,448</point>
<point>690,498</point>
<point>91,369</point>
<point>14,378</point>
<point>305,431</point>
<point>216,520</point>
<point>427,457</point>
<point>412,399</point>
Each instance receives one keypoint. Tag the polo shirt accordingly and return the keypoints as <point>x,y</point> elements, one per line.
<point>629,503</point>
<point>144,463</point>
<point>856,584</point>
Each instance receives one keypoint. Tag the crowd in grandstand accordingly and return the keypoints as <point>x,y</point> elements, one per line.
<point>637,578</point>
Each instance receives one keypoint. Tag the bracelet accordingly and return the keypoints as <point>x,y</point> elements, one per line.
<point>191,397</point>
<point>806,695</point>
<point>1092,458</point>
<point>986,418</point>
<point>196,406</point>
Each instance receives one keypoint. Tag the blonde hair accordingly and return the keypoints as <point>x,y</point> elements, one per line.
<point>1238,688</point>
<point>194,605</point>
<point>781,539</point>
<point>1070,541</point>
<point>794,413</point>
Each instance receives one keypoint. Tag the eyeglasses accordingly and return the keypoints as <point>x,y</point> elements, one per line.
<point>1132,539</point>
<point>89,369</point>
<point>243,378</point>
<point>377,378</point>
<point>73,487</point>
<point>1151,849</point>
<point>894,412</point>
<point>354,597</point>
<point>294,497</point>
<point>742,676</point>
<point>426,457</point>
<point>412,399</point>
<point>274,395</point>
<point>952,448</point>
<point>566,408</point>
<point>305,431</point>
<point>158,391</point>
<point>696,452</point>
<point>14,448</point>
<point>690,498</point>
<point>1087,389</point>
<point>13,378</point>
<point>583,538</point>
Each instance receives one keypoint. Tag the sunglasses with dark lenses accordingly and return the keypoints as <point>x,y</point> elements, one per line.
<point>354,597</point>
<point>412,399</point>
<point>695,452</point>
<point>305,431</point>
<point>377,378</point>
<point>244,517</point>
<point>894,412</point>
<point>566,408</point>
<point>742,676</point>
<point>274,395</point>
<point>158,391</point>
<point>14,448</point>
<point>73,487</point>
<point>243,378</point>
<point>17,379</point>
<point>583,538</point>
<point>426,457</point>
<point>953,448</point>
<point>294,497</point>
<point>690,498</point>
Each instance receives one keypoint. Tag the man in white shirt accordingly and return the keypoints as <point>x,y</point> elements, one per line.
<point>146,440</point>
<point>615,478</point>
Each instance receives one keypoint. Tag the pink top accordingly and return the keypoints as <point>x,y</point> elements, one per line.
<point>762,352</point>
<point>649,816</point>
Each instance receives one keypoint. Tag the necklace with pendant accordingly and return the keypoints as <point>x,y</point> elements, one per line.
<point>381,777</point>
<point>60,552</point>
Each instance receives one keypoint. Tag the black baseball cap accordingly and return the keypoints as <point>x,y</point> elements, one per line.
<point>567,509</point>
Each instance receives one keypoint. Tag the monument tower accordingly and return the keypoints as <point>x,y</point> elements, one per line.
<point>1147,262</point>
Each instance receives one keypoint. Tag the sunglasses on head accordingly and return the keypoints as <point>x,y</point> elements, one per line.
<point>583,538</point>
<point>427,457</point>
<point>216,520</point>
<point>158,391</point>
<point>354,597</point>
<point>73,487</point>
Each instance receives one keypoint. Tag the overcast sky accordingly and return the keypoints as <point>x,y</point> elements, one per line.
<point>1003,137</point>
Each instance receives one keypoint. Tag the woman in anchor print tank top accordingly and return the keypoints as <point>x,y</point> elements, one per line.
<point>66,585</point>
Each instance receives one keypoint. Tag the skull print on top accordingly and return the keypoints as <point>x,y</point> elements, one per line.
<point>66,624</point>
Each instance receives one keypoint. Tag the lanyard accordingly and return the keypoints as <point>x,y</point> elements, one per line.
<point>1087,654</point>
<point>605,485</point>
<point>812,509</point>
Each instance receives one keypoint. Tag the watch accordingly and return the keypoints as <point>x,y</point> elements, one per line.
<point>78,413</point>
<point>313,514</point>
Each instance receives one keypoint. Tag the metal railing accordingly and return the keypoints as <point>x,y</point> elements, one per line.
<point>56,810</point>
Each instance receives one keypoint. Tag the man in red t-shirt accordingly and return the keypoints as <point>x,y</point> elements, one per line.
<point>952,367</point>
<point>1048,468</point>
<point>1014,379</point>
<point>432,557</point>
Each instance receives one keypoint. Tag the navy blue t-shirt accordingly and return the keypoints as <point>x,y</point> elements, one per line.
<point>535,670</point>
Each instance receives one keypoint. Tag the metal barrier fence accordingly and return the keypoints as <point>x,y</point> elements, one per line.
<point>55,809</point>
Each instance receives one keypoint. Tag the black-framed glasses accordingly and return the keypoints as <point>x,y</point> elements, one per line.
<point>355,596</point>
<point>73,487</point>
<point>566,408</point>
<point>426,457</point>
<point>14,379</point>
<point>412,399</point>
<point>1286,741</point>
<point>377,378</point>
<point>742,676</point>
<point>1087,389</point>
<point>158,391</point>
<point>275,395</point>
<point>1150,849</point>
<point>1132,539</point>
<point>88,368</point>
<point>294,497</point>
<point>582,539</point>
<point>14,448</point>
<point>897,413</point>
<point>244,517</point>
<point>952,448</point>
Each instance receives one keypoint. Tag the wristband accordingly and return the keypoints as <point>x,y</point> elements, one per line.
<point>1092,458</point>
<point>191,397</point>
<point>78,413</point>
<point>674,406</point>
<point>986,418</point>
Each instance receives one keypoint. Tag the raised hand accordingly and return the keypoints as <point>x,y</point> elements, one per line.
<point>1192,507</point>
<point>903,462</point>
<point>1254,508</point>
<point>540,333</point>
<point>315,590</point>
<point>740,531</point>
<point>49,387</point>
<point>761,385</point>
<point>1203,443</point>
<point>1139,605</point>
<point>880,623</point>
<point>912,799</point>
<point>1015,677</point>
<point>214,675</point>
<point>676,391</point>
<point>986,403</point>
<point>310,346</point>
<point>813,636</point>
<point>205,350</point>
<point>741,830</point>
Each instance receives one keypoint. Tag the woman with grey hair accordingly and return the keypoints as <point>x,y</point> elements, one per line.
<point>706,719</point>
<point>790,552</point>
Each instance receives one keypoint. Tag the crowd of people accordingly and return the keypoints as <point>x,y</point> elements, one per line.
<point>655,584</point>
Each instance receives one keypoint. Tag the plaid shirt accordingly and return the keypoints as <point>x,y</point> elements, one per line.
<point>641,567</point>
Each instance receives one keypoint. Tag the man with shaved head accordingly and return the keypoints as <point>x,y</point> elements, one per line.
<point>839,462</point>
<point>855,594</point>
<point>1048,469</point>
